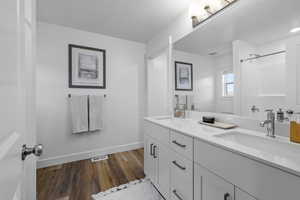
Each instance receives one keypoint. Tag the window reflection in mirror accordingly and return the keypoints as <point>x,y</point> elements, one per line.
<point>228,84</point>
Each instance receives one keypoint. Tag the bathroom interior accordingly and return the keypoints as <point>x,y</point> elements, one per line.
<point>153,100</point>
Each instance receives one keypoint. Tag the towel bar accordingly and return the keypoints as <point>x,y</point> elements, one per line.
<point>69,95</point>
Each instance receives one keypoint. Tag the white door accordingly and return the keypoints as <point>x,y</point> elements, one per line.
<point>17,98</point>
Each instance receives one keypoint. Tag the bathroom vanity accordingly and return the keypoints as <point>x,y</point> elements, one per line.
<point>188,161</point>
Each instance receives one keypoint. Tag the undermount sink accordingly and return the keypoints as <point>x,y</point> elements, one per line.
<point>264,145</point>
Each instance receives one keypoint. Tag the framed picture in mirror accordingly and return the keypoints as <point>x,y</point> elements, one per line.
<point>183,76</point>
<point>86,67</point>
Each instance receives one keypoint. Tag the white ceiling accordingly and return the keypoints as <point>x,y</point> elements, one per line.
<point>137,20</point>
<point>256,21</point>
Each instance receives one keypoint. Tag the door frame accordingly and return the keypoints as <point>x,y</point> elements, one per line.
<point>27,84</point>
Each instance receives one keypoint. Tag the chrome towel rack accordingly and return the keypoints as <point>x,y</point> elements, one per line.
<point>262,56</point>
<point>70,95</point>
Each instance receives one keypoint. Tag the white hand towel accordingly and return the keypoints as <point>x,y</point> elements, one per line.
<point>79,113</point>
<point>96,112</point>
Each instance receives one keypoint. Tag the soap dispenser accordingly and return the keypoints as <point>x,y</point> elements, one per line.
<point>295,128</point>
<point>280,115</point>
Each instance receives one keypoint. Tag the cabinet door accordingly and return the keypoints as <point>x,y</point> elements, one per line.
<point>213,187</point>
<point>164,170</point>
<point>150,161</point>
<point>197,182</point>
<point>147,159</point>
<point>240,195</point>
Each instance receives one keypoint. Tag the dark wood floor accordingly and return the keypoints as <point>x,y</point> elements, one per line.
<point>79,180</point>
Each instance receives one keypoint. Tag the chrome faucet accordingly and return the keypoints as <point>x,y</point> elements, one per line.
<point>270,122</point>
<point>180,109</point>
<point>254,109</point>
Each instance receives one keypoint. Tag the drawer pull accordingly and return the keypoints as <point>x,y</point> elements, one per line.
<point>151,149</point>
<point>178,144</point>
<point>177,195</point>
<point>154,151</point>
<point>179,166</point>
<point>227,196</point>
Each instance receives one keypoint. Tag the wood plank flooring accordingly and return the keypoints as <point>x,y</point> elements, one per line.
<point>79,180</point>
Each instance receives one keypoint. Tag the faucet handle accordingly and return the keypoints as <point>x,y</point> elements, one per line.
<point>270,114</point>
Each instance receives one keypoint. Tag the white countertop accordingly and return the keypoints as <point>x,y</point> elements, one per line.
<point>286,162</point>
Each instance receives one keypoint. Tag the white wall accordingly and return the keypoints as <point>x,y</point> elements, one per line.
<point>223,63</point>
<point>203,80</point>
<point>123,107</point>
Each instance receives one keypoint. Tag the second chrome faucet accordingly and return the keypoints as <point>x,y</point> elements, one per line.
<point>270,123</point>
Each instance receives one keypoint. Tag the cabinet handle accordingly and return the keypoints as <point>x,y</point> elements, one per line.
<point>151,149</point>
<point>227,196</point>
<point>177,165</point>
<point>178,144</point>
<point>177,195</point>
<point>154,151</point>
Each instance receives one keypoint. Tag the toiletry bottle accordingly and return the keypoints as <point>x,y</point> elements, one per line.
<point>295,128</point>
<point>280,115</point>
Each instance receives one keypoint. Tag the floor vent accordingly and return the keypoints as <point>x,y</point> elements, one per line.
<point>99,158</point>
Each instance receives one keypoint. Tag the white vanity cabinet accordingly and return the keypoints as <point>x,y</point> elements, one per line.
<point>189,168</point>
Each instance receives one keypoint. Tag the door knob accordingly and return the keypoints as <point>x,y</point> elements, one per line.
<point>37,150</point>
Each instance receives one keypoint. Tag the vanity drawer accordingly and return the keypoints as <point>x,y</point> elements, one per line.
<point>182,144</point>
<point>157,132</point>
<point>181,177</point>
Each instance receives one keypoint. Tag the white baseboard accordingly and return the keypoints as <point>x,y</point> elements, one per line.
<point>86,155</point>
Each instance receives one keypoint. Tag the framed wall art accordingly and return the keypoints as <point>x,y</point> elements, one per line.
<point>87,67</point>
<point>183,76</point>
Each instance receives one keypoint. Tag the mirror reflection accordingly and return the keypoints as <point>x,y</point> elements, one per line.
<point>246,72</point>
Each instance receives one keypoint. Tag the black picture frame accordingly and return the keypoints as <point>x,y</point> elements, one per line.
<point>103,51</point>
<point>190,65</point>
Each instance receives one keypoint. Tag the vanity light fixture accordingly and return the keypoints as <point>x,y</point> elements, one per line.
<point>295,30</point>
<point>201,10</point>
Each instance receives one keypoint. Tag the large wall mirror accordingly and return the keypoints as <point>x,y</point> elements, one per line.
<point>241,65</point>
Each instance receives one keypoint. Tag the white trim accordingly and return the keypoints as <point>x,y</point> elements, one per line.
<point>87,154</point>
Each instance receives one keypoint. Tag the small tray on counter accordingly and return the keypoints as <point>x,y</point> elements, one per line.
<point>219,125</point>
